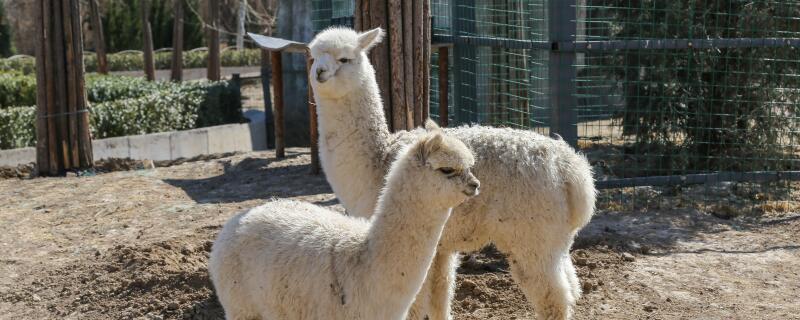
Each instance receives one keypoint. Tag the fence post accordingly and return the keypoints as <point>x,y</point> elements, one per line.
<point>99,38</point>
<point>266,77</point>
<point>312,118</point>
<point>277,87</point>
<point>465,93</point>
<point>149,64</point>
<point>177,41</point>
<point>562,27</point>
<point>214,72</point>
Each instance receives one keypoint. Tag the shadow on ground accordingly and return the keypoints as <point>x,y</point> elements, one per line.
<point>256,178</point>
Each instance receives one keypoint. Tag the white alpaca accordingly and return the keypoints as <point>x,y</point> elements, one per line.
<point>537,192</point>
<point>294,260</point>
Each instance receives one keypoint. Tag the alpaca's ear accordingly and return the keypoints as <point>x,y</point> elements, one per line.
<point>430,125</point>
<point>368,39</point>
<point>430,145</point>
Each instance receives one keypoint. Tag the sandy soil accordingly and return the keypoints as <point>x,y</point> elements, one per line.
<point>134,244</point>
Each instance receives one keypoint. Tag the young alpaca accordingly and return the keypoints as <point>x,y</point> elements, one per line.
<point>537,192</point>
<point>294,260</point>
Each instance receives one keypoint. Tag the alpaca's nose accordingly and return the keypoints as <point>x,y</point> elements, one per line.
<point>473,187</point>
<point>319,75</point>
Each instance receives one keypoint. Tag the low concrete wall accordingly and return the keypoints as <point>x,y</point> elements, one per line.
<point>166,145</point>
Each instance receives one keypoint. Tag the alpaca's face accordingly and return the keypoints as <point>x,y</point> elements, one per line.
<point>449,163</point>
<point>339,60</point>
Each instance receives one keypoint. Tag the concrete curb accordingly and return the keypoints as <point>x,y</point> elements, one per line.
<point>166,145</point>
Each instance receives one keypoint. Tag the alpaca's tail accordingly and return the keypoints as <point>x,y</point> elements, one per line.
<point>581,193</point>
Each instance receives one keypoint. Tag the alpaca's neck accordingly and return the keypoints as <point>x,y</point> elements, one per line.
<point>403,236</point>
<point>354,142</point>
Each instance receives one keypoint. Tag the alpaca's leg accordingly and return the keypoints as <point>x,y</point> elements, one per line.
<point>543,278</point>
<point>572,277</point>
<point>433,300</point>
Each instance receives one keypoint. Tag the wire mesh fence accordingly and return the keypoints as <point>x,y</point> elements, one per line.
<point>656,93</point>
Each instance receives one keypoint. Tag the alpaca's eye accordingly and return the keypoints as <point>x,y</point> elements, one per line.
<point>344,60</point>
<point>447,170</point>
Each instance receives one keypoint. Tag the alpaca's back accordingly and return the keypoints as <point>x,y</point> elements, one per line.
<point>520,168</point>
<point>276,259</point>
<point>521,171</point>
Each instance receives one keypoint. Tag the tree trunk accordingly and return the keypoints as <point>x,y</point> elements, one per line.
<point>149,64</point>
<point>99,38</point>
<point>177,42</point>
<point>214,68</point>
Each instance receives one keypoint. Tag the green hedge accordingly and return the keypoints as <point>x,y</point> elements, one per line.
<point>131,61</point>
<point>17,90</point>
<point>20,90</point>
<point>110,88</point>
<point>17,127</point>
<point>173,106</point>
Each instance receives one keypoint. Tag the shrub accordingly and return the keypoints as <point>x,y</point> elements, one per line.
<point>20,90</point>
<point>24,65</point>
<point>109,88</point>
<point>17,127</point>
<point>134,61</point>
<point>143,107</point>
<point>167,110</point>
<point>17,89</point>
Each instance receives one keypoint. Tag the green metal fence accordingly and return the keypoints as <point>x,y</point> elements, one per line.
<point>654,92</point>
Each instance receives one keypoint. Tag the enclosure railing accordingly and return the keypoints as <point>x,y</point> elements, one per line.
<point>654,92</point>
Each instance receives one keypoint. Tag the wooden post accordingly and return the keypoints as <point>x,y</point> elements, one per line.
<point>397,66</point>
<point>214,68</point>
<point>269,121</point>
<point>372,14</point>
<point>426,59</point>
<point>402,63</point>
<point>277,88</point>
<point>99,38</point>
<point>417,91</point>
<point>312,120</point>
<point>62,126</point>
<point>177,41</point>
<point>147,33</point>
<point>444,56</point>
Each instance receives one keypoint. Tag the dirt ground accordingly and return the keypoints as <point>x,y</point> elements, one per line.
<point>134,245</point>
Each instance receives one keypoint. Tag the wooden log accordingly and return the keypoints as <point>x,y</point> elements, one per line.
<point>84,143</point>
<point>397,66</point>
<point>63,139</point>
<point>147,34</point>
<point>378,16</point>
<point>42,103</point>
<point>99,38</point>
<point>408,62</point>
<point>312,119</point>
<point>61,91</point>
<point>419,64</point>
<point>426,59</point>
<point>277,87</point>
<point>214,68</point>
<point>443,86</point>
<point>177,41</point>
<point>71,93</point>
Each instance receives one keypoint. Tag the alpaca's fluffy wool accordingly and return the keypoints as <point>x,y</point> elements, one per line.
<point>537,191</point>
<point>294,260</point>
